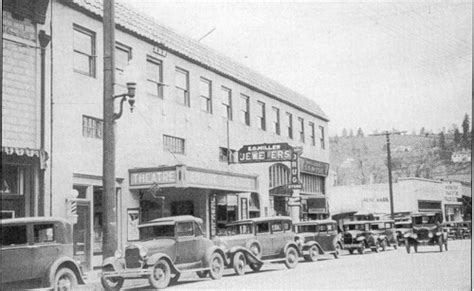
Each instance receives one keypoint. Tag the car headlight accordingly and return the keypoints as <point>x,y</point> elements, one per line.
<point>118,254</point>
<point>430,235</point>
<point>143,251</point>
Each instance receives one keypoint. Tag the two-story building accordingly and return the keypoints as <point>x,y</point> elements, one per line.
<point>176,153</point>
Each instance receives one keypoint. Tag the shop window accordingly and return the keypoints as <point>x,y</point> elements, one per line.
<point>154,77</point>
<point>182,208</point>
<point>81,190</point>
<point>280,205</point>
<point>263,227</point>
<point>92,127</point>
<point>226,211</point>
<point>98,222</point>
<point>173,144</point>
<point>312,184</point>
<point>13,235</point>
<point>84,51</point>
<point>13,179</point>
<point>224,155</point>
<point>44,233</point>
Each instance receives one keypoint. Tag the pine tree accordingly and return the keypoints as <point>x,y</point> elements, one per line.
<point>351,133</point>
<point>457,138</point>
<point>442,141</point>
<point>360,133</point>
<point>344,132</point>
<point>422,131</point>
<point>466,138</point>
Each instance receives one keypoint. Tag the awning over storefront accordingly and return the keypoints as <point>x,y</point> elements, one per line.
<point>316,203</point>
<point>181,176</point>
<point>282,190</point>
<point>41,154</point>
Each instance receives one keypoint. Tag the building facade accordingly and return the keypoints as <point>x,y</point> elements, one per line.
<point>176,153</point>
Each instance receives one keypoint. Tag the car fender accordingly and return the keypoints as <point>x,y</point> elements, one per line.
<point>253,241</point>
<point>212,250</point>
<point>309,245</point>
<point>60,263</point>
<point>158,256</point>
<point>288,245</point>
<point>249,256</point>
<point>117,264</point>
<point>360,239</point>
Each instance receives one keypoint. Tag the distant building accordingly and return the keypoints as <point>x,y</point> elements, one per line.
<point>461,157</point>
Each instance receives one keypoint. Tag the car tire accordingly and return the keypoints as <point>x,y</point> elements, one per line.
<point>291,257</point>
<point>337,252</point>
<point>376,247</point>
<point>395,245</point>
<point>351,251</point>
<point>383,244</point>
<point>256,267</point>
<point>160,274</point>
<point>415,246</point>
<point>111,284</point>
<point>216,264</point>
<point>361,248</point>
<point>446,245</point>
<point>238,263</point>
<point>65,279</point>
<point>202,274</point>
<point>313,254</point>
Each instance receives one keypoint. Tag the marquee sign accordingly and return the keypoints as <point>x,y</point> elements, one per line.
<point>265,153</point>
<point>314,167</point>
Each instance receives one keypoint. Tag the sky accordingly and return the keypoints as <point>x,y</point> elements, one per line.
<point>369,64</point>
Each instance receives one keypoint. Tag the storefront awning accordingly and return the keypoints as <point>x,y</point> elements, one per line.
<point>41,154</point>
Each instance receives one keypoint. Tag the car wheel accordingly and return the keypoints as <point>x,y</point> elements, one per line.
<point>160,274</point>
<point>446,245</point>
<point>291,257</point>
<point>395,245</point>
<point>377,246</point>
<point>256,250</point>
<point>313,254</point>
<point>175,278</point>
<point>202,274</point>
<point>361,248</point>
<point>407,244</point>
<point>256,267</point>
<point>111,283</point>
<point>239,262</point>
<point>337,253</point>
<point>216,266</point>
<point>65,279</point>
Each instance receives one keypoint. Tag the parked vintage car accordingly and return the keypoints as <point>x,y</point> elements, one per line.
<point>40,254</point>
<point>318,237</point>
<point>427,230</point>
<point>358,236</point>
<point>402,227</point>
<point>167,247</point>
<point>458,229</point>
<point>386,233</point>
<point>256,241</point>
<point>467,229</point>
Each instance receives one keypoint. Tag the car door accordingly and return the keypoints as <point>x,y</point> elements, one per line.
<point>324,238</point>
<point>264,237</point>
<point>201,248</point>
<point>16,250</point>
<point>186,243</point>
<point>278,237</point>
<point>46,247</point>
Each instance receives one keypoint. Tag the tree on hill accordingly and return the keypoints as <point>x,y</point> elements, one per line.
<point>344,132</point>
<point>466,139</point>
<point>457,137</point>
<point>442,141</point>
<point>422,131</point>
<point>351,133</point>
<point>360,133</point>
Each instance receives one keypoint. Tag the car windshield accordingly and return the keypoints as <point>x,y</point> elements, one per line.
<point>403,225</point>
<point>425,219</point>
<point>156,231</point>
<point>238,229</point>
<point>306,228</point>
<point>354,227</point>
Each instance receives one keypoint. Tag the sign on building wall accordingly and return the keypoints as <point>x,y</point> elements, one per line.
<point>264,153</point>
<point>314,167</point>
<point>295,182</point>
<point>452,192</point>
<point>153,177</point>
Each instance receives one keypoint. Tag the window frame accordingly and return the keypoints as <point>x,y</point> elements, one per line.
<point>92,57</point>
<point>126,49</point>
<point>159,83</point>
<point>228,107</point>
<point>312,133</point>
<point>169,149</point>
<point>261,116</point>
<point>221,155</point>
<point>289,125</point>
<point>186,90</point>
<point>322,137</point>
<point>97,128</point>
<point>276,122</point>
<point>301,131</point>
<point>245,111</point>
<point>208,99</point>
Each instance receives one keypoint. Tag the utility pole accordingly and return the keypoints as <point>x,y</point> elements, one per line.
<point>389,166</point>
<point>109,243</point>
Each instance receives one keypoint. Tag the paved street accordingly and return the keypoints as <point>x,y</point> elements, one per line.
<point>395,269</point>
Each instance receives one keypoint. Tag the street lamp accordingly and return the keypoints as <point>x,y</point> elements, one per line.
<point>130,96</point>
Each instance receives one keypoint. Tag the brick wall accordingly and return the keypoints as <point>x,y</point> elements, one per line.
<point>20,100</point>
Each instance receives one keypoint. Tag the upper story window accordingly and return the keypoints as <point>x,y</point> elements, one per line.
<point>321,137</point>
<point>13,179</point>
<point>205,91</point>
<point>154,77</point>
<point>261,122</point>
<point>312,133</point>
<point>289,124</point>
<point>245,109</point>
<point>123,55</point>
<point>92,127</point>
<point>84,51</point>
<point>226,103</point>
<point>301,132</point>
<point>276,120</point>
<point>173,144</point>
<point>182,86</point>
<point>226,155</point>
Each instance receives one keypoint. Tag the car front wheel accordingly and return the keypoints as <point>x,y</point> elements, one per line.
<point>291,258</point>
<point>313,254</point>
<point>361,248</point>
<point>383,244</point>
<point>337,253</point>
<point>111,283</point>
<point>160,274</point>
<point>255,267</point>
<point>217,266</point>
<point>440,243</point>
<point>239,263</point>
<point>65,279</point>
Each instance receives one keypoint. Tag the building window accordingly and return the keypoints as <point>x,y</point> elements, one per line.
<point>261,122</point>
<point>321,138</point>
<point>224,155</point>
<point>173,144</point>
<point>301,122</point>
<point>289,124</point>
<point>84,51</point>
<point>13,179</point>
<point>312,134</point>
<point>226,103</point>
<point>154,77</point>
<point>312,184</point>
<point>245,109</point>
<point>276,120</point>
<point>92,127</point>
<point>182,86</point>
<point>123,55</point>
<point>205,91</point>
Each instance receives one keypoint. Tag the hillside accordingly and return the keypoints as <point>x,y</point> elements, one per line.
<point>363,160</point>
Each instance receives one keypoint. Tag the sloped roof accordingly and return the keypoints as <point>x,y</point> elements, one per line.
<point>129,20</point>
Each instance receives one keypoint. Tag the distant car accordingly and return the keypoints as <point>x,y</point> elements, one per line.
<point>386,233</point>
<point>255,241</point>
<point>402,227</point>
<point>167,248</point>
<point>39,252</point>
<point>427,230</point>
<point>458,229</point>
<point>359,236</point>
<point>318,237</point>
<point>467,229</point>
